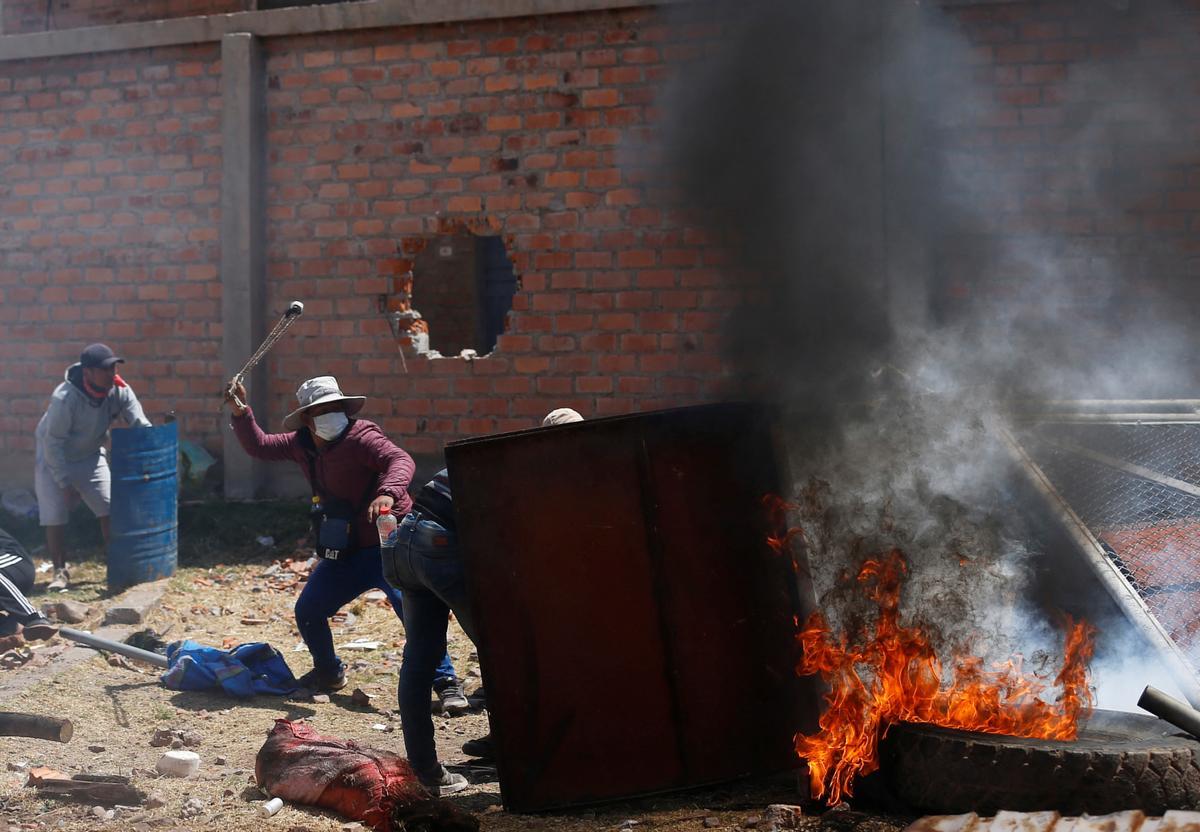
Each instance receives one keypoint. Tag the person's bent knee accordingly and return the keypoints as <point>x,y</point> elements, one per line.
<point>304,612</point>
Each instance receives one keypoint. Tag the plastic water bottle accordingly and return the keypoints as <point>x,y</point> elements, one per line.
<point>386,523</point>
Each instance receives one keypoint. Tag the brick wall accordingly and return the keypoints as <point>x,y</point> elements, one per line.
<point>109,187</point>
<point>23,16</point>
<point>383,137</point>
<point>379,141</point>
<point>540,130</point>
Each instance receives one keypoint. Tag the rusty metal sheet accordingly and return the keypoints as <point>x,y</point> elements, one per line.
<point>637,632</point>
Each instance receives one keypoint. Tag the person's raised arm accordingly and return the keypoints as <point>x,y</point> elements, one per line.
<point>256,442</point>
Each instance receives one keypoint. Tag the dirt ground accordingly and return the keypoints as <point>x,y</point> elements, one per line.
<point>116,709</point>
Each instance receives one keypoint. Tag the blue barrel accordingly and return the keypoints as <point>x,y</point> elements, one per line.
<point>145,505</point>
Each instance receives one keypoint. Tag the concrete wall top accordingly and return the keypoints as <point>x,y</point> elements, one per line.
<point>294,21</point>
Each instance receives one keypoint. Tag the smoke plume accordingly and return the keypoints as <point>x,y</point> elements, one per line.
<point>930,250</point>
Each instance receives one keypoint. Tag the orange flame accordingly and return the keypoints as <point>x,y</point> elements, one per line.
<point>904,684</point>
<point>780,540</point>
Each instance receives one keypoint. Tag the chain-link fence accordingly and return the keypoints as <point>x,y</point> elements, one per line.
<point>1137,489</point>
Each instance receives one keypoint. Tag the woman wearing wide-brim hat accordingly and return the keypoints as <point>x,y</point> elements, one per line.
<point>355,471</point>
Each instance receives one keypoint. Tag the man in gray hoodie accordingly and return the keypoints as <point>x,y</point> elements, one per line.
<point>70,452</point>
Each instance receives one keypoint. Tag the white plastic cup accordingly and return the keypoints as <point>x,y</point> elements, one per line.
<point>178,763</point>
<point>270,807</point>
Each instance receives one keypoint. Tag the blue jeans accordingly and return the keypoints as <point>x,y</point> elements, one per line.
<point>427,566</point>
<point>332,585</point>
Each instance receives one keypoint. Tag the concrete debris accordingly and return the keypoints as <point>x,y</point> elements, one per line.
<point>162,738</point>
<point>19,765</point>
<point>178,763</point>
<point>362,644</point>
<point>175,738</point>
<point>321,698</point>
<point>67,611</point>
<point>385,727</point>
<point>154,801</point>
<point>123,614</point>
<point>220,761</point>
<point>100,813</point>
<point>194,807</point>
<point>711,822</point>
<point>1129,821</point>
<point>782,816</point>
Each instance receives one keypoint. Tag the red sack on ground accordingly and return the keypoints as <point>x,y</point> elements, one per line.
<point>376,787</point>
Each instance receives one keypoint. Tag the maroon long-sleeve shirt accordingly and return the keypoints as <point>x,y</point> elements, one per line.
<point>362,462</point>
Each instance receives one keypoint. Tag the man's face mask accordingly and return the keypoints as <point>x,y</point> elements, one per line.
<point>330,425</point>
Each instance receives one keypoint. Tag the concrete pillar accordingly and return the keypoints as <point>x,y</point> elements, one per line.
<point>243,239</point>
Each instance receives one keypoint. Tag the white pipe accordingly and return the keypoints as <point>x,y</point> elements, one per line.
<point>126,650</point>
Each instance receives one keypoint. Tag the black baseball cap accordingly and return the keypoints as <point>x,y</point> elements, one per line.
<point>99,355</point>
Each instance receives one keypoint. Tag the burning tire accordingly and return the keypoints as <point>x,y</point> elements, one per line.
<point>1120,761</point>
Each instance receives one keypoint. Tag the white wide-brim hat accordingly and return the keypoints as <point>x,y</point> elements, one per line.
<point>320,390</point>
<point>562,416</point>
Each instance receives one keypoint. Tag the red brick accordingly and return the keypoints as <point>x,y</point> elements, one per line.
<point>601,98</point>
<point>531,364</point>
<point>593,384</point>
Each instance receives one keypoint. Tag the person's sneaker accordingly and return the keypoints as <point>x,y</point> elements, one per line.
<point>323,682</point>
<point>447,783</point>
<point>453,700</point>
<point>38,628</point>
<point>61,580</point>
<point>481,748</point>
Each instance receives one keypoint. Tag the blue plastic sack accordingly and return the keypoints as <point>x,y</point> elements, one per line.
<point>243,671</point>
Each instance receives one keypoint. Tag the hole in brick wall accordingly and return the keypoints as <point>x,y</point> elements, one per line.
<point>463,287</point>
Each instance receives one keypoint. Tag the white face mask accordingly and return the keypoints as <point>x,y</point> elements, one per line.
<point>330,425</point>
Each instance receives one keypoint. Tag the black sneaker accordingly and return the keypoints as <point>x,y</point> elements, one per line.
<point>453,700</point>
<point>481,748</point>
<point>38,628</point>
<point>323,682</point>
<point>446,783</point>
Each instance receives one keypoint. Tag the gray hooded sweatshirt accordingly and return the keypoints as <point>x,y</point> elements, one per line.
<point>75,424</point>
